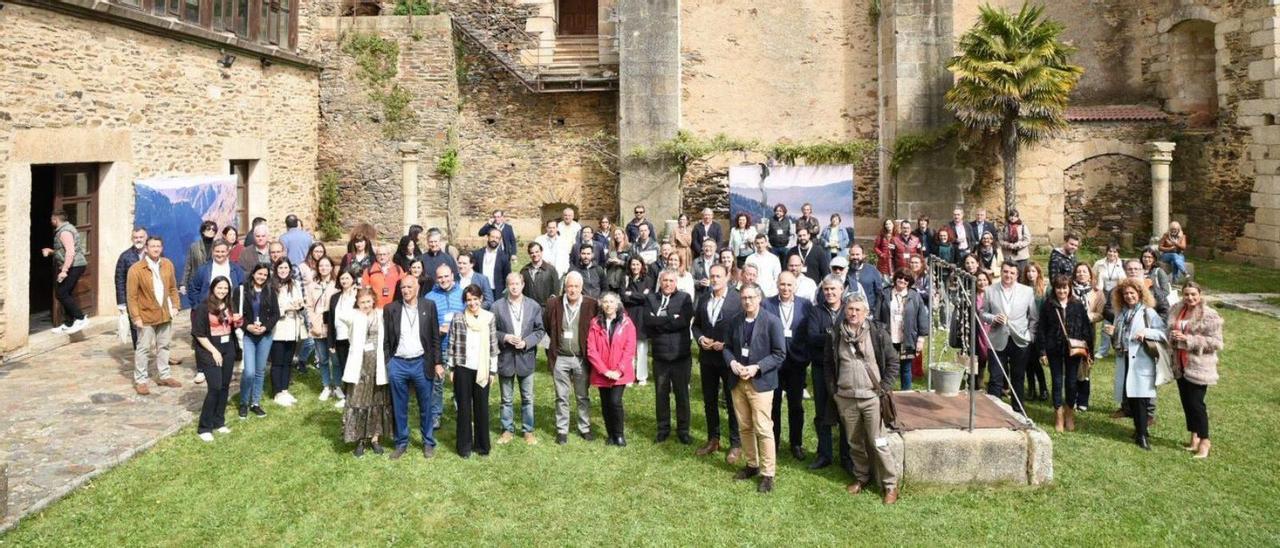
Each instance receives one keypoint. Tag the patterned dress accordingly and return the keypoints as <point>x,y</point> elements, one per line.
<point>367,412</point>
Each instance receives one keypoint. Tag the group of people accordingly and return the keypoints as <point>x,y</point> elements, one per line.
<point>609,305</point>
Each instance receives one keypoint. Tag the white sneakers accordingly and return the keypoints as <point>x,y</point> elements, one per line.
<point>341,404</point>
<point>199,378</point>
<point>324,394</point>
<point>59,329</point>
<point>76,326</point>
<point>284,399</point>
<point>206,437</point>
<point>337,393</point>
<point>223,430</point>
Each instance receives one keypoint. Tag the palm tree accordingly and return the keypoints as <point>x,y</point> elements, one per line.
<point>1013,79</point>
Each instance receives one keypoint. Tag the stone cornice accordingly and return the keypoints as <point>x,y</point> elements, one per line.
<point>140,21</point>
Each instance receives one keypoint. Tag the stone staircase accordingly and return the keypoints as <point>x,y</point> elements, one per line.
<point>542,62</point>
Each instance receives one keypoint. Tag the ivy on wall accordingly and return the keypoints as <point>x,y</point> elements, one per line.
<point>327,207</point>
<point>907,146</point>
<point>376,65</point>
<point>686,148</point>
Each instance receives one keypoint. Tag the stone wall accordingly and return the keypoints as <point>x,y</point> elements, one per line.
<point>140,105</point>
<point>1108,199</point>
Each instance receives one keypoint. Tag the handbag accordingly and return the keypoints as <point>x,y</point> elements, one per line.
<point>1076,348</point>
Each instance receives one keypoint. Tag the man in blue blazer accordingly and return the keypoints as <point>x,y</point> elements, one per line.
<point>793,311</point>
<point>493,261</point>
<point>506,234</point>
<point>411,342</point>
<point>221,265</point>
<point>755,350</point>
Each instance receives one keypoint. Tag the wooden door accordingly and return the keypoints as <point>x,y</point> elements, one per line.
<point>76,192</point>
<point>578,18</point>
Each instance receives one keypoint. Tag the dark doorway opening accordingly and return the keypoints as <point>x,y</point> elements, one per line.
<point>41,268</point>
<point>72,188</point>
<point>578,18</point>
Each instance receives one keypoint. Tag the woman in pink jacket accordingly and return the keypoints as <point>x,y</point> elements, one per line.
<point>611,349</point>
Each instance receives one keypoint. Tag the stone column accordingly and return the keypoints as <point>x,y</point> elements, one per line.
<point>409,181</point>
<point>1161,155</point>
<point>648,103</point>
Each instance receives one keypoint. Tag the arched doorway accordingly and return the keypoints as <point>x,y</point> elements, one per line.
<point>1108,199</point>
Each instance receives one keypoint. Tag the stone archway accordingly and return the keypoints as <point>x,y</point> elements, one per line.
<point>1107,198</point>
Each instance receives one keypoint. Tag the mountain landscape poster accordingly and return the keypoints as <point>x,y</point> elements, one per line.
<point>174,207</point>
<point>755,189</point>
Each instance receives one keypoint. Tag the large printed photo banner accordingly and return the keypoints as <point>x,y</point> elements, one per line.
<point>174,207</point>
<point>755,189</point>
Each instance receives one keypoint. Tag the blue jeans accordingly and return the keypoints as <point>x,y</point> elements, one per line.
<point>305,350</point>
<point>507,386</point>
<point>256,350</point>
<point>327,363</point>
<point>437,401</point>
<point>1106,341</point>
<point>1177,261</point>
<point>904,369</point>
<point>402,373</point>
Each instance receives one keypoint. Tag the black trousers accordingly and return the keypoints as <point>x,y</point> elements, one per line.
<point>791,386</point>
<point>1035,372</point>
<point>281,358</point>
<point>341,348</point>
<point>673,376</point>
<point>1192,396</point>
<point>715,390</point>
<point>473,412</point>
<point>1014,359</point>
<point>1064,370</point>
<point>213,412</point>
<point>611,408</point>
<point>1138,410</point>
<point>66,289</point>
<point>822,423</point>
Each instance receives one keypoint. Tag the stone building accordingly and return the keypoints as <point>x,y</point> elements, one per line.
<point>535,105</point>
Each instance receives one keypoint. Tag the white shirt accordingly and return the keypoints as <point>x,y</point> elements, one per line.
<point>686,284</point>
<point>552,252</point>
<point>489,263</point>
<point>768,268</point>
<point>570,230</point>
<point>410,342</point>
<point>216,270</point>
<point>517,315</point>
<point>897,308</point>
<point>465,281</point>
<point>157,284</point>
<point>806,288</point>
<point>962,241</point>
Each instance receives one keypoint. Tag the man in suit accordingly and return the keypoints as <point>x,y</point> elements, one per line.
<point>568,318</point>
<point>701,269</point>
<point>982,226</point>
<point>467,275</point>
<point>541,280</point>
<point>506,235</point>
<point>816,261</point>
<point>127,259</point>
<point>966,237</point>
<point>519,324</point>
<point>258,250</point>
<point>412,342</point>
<point>793,311</point>
<point>667,316</point>
<point>755,350</point>
<point>493,261</point>
<point>1010,309</point>
<point>710,329</point>
<point>706,229</point>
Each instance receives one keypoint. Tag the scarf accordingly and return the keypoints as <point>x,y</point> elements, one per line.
<point>860,339</point>
<point>478,344</point>
<point>1015,231</point>
<point>1177,324</point>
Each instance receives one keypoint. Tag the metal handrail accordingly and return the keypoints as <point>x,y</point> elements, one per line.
<point>530,75</point>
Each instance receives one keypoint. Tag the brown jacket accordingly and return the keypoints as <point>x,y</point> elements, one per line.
<point>553,318</point>
<point>1204,340</point>
<point>141,296</point>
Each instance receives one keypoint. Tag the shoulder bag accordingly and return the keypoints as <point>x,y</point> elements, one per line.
<point>1076,348</point>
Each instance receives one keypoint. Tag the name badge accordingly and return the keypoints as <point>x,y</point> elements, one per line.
<point>778,231</point>
<point>746,352</point>
<point>224,339</point>
<point>804,269</point>
<point>568,334</point>
<point>386,291</point>
<point>882,442</point>
<point>786,332</point>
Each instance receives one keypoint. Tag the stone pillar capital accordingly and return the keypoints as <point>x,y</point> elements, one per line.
<point>1160,151</point>
<point>410,149</point>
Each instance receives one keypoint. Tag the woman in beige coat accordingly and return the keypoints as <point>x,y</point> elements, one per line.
<point>1195,337</point>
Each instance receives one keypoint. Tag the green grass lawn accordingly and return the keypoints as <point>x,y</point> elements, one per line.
<point>288,480</point>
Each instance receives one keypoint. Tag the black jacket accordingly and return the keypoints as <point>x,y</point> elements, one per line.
<point>501,267</point>
<point>668,332</point>
<point>635,297</point>
<point>242,300</point>
<point>594,280</point>
<point>126,260</point>
<point>1049,337</point>
<point>886,359</point>
<point>700,233</point>
<point>817,264</point>
<point>428,332</point>
<point>719,332</point>
<point>543,285</point>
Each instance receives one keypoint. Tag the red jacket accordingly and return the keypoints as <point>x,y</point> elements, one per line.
<point>383,283</point>
<point>903,250</point>
<point>612,354</point>
<point>884,257</point>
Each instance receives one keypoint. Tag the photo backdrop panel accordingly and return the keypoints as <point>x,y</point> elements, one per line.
<point>174,207</point>
<point>755,189</point>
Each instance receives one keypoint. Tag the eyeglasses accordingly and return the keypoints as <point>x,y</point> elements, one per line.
<point>639,212</point>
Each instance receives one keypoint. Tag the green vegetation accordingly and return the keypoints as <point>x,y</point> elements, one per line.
<point>376,61</point>
<point>823,152</point>
<point>1013,78</point>
<point>687,148</point>
<point>328,216</point>
<point>1221,276</point>
<point>448,165</point>
<point>289,480</point>
<point>417,7</point>
<point>907,146</point>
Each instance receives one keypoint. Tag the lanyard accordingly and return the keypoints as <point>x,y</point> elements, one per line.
<point>570,314</point>
<point>787,311</point>
<point>517,312</point>
<point>662,308</point>
<point>412,319</point>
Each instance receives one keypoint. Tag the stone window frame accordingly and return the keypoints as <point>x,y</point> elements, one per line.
<point>266,22</point>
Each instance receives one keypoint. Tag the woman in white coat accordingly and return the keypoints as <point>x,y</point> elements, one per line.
<point>367,413</point>
<point>1136,323</point>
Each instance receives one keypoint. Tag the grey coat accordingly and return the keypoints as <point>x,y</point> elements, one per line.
<point>1021,312</point>
<point>1138,380</point>
<point>513,361</point>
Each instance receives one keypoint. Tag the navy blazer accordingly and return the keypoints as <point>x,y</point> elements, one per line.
<point>501,267</point>
<point>200,282</point>
<point>508,237</point>
<point>767,349</point>
<point>795,353</point>
<point>699,234</point>
<point>719,332</point>
<point>513,361</point>
<point>428,332</point>
<point>126,260</point>
<point>870,279</point>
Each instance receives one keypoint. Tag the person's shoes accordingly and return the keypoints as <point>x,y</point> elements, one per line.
<point>1203,452</point>
<point>377,448</point>
<point>1118,414</point>
<point>735,454</point>
<point>610,441</point>
<point>746,473</point>
<point>712,446</point>
<point>199,378</point>
<point>1194,444</point>
<point>891,496</point>
<point>282,400</point>
<point>337,393</point>
<point>766,485</point>
<point>1044,395</point>
<point>1082,408</point>
<point>684,439</point>
<point>142,389</point>
<point>643,383</point>
<point>243,412</point>
<point>206,437</point>
<point>170,382</point>
<point>292,400</point>
<point>797,452</point>
<point>505,438</point>
<point>820,463</point>
<point>622,441</point>
<point>59,329</point>
<point>1069,419</point>
<point>359,449</point>
<point>257,411</point>
<point>435,425</point>
<point>661,437</point>
<point>77,326</point>
<point>1143,443</point>
<point>399,452</point>
<point>464,456</point>
<point>562,439</point>
<point>530,439</point>
<point>324,394</point>
<point>223,430</point>
<point>855,487</point>
<point>587,436</point>
<point>428,451</point>
<point>341,404</point>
